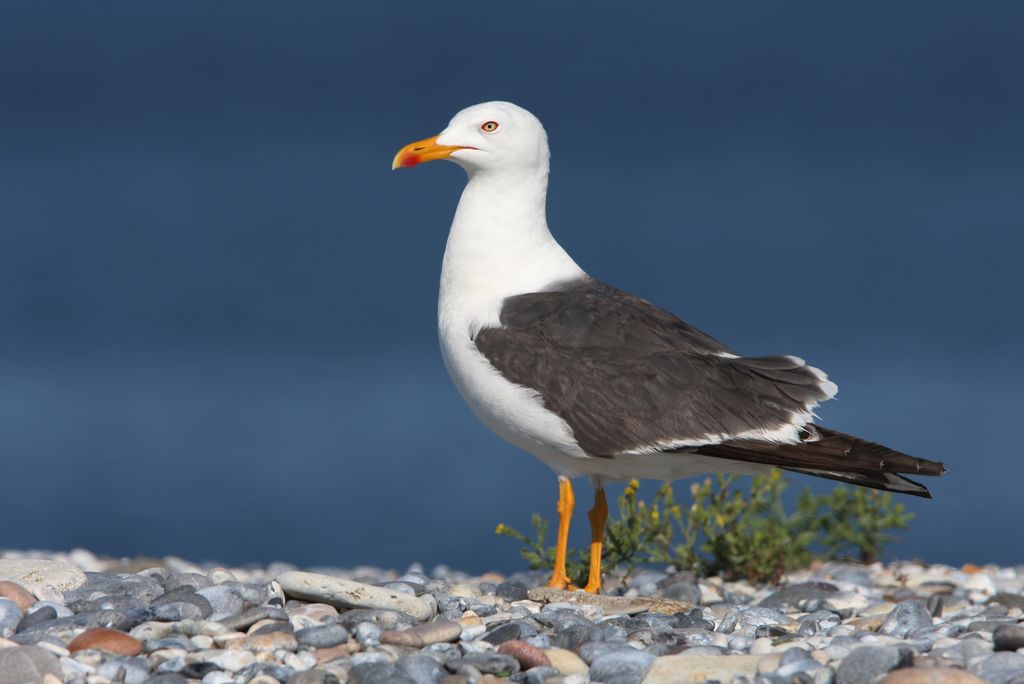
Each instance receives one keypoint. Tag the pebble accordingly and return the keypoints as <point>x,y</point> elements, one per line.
<point>867,663</point>
<point>423,635</point>
<point>322,636</point>
<point>10,616</point>
<point>1000,668</point>
<point>31,573</point>
<point>794,594</point>
<point>682,668</point>
<point>268,642</point>
<point>127,670</point>
<point>486,663</point>
<point>621,667</point>
<point>833,624</point>
<point>20,664</point>
<point>930,675</point>
<point>105,639</point>
<point>1008,637</point>
<point>509,591</point>
<point>21,596</point>
<point>377,673</point>
<point>223,599</point>
<point>528,655</point>
<point>906,618</point>
<point>421,669</point>
<point>346,593</point>
<point>566,662</point>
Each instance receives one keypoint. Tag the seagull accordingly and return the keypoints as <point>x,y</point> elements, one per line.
<point>597,382</point>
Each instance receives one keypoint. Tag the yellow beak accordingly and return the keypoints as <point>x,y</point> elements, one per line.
<point>423,151</point>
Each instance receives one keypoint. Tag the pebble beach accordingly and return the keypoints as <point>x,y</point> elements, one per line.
<point>81,619</point>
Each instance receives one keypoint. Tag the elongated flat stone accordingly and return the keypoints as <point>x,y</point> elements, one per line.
<point>611,605</point>
<point>311,586</point>
<point>423,635</point>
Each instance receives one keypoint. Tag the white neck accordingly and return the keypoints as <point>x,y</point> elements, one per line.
<point>500,245</point>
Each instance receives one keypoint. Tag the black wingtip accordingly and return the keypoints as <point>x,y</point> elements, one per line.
<point>886,482</point>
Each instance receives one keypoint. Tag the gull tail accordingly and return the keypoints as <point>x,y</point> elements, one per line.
<point>835,456</point>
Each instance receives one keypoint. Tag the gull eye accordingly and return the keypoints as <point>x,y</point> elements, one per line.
<point>489,126</point>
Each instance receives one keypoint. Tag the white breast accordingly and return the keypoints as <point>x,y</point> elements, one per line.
<point>492,255</point>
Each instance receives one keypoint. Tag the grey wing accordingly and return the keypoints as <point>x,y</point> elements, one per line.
<point>629,377</point>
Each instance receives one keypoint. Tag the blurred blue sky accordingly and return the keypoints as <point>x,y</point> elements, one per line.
<point>217,302</point>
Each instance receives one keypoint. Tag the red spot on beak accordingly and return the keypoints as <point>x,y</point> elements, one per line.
<point>410,160</point>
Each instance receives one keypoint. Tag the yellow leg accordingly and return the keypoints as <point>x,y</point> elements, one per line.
<point>598,515</point>
<point>566,501</point>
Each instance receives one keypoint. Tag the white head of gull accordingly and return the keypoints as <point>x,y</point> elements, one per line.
<point>597,382</point>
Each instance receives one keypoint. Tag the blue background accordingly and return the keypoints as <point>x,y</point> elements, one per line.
<point>218,302</point>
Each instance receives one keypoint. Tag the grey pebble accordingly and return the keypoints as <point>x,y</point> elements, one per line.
<point>573,635</point>
<point>20,664</point>
<point>701,651</point>
<point>511,591</point>
<point>1000,668</point>
<point>515,629</point>
<point>167,678</point>
<point>191,580</point>
<point>224,600</point>
<point>1008,637</point>
<point>821,621</point>
<point>825,675</point>
<point>176,612</point>
<point>136,670</point>
<point>274,626</point>
<point>905,618</point>
<point>486,663</point>
<point>36,617</point>
<point>794,594</point>
<point>185,595</point>
<point>421,669</point>
<point>198,670</point>
<point>377,673</point>
<point>680,588</point>
<point>61,609</point>
<point>536,675</point>
<point>1008,600</point>
<point>759,617</point>
<point>176,641</point>
<point>83,606</point>
<point>935,605</point>
<point>244,621</point>
<point>795,661</point>
<point>593,650</point>
<point>278,672</point>
<point>116,602</point>
<point>314,676</point>
<point>386,619</point>
<point>10,616</point>
<point>621,667</point>
<point>111,584</point>
<point>866,663</point>
<point>368,634</point>
<point>322,636</point>
<point>253,594</point>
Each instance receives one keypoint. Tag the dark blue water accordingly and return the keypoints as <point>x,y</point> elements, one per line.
<point>217,302</point>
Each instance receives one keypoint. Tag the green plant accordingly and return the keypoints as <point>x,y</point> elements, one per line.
<point>854,522</point>
<point>733,532</point>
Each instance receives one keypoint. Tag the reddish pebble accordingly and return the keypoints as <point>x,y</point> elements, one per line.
<point>105,639</point>
<point>17,593</point>
<point>527,655</point>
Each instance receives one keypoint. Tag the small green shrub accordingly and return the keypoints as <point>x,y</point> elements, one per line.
<point>733,532</point>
